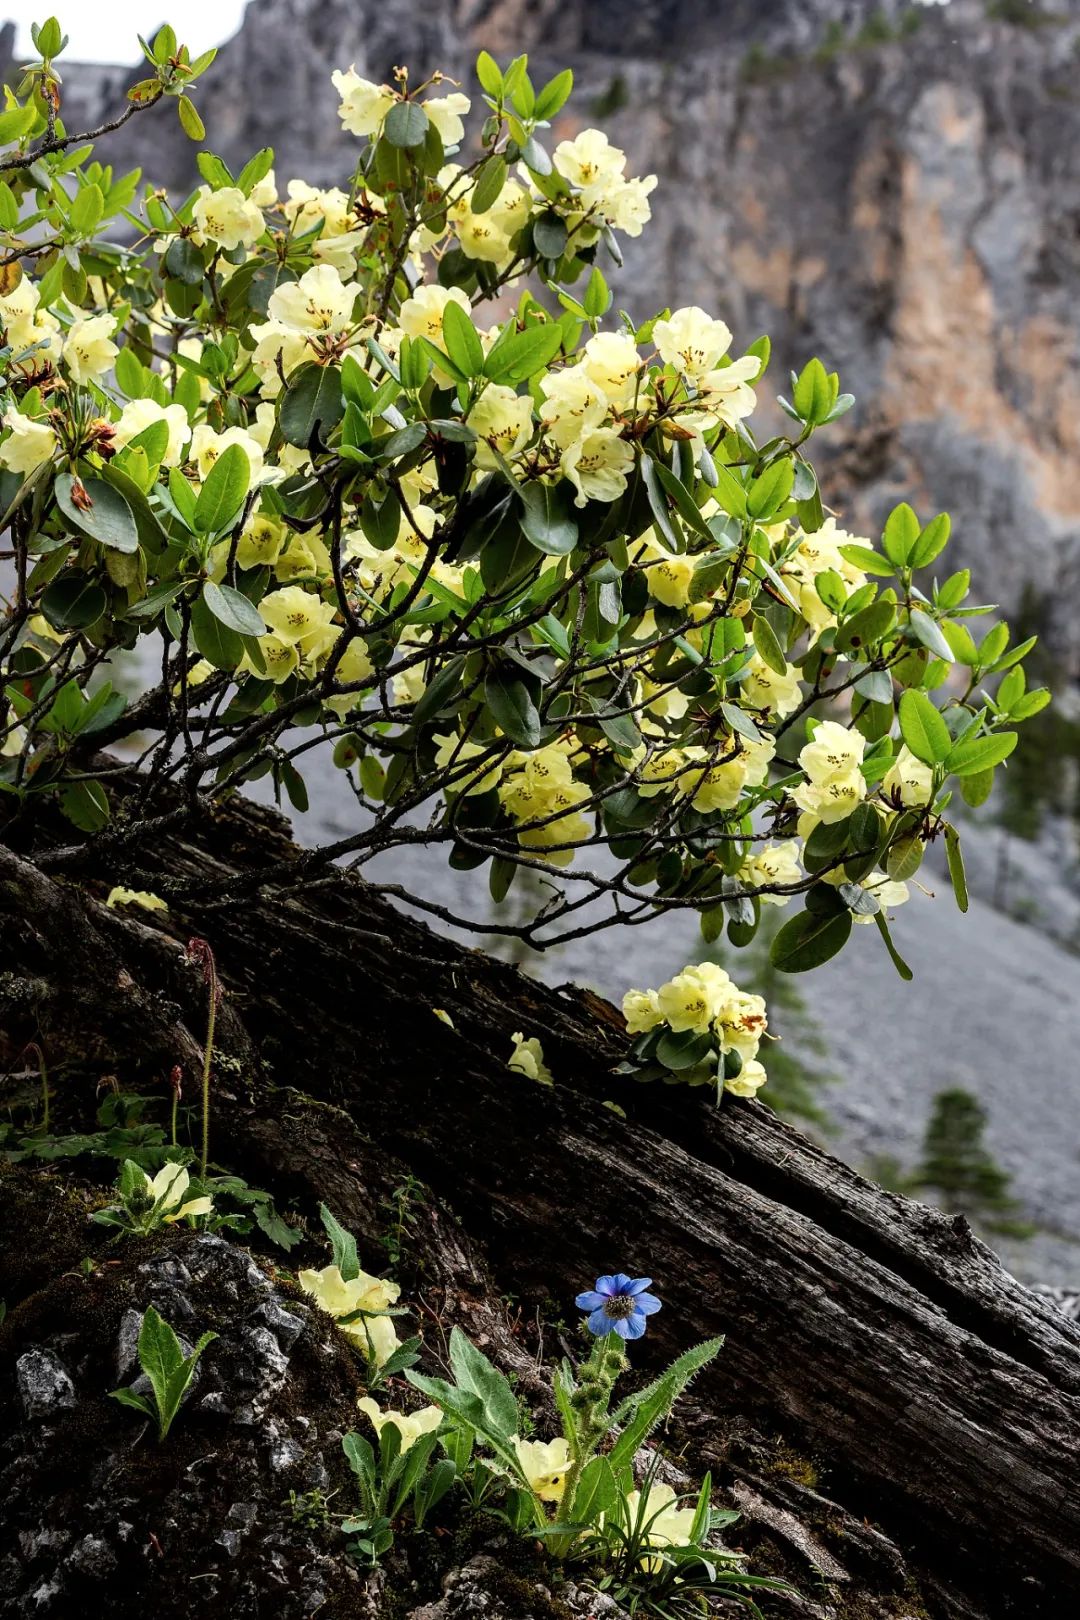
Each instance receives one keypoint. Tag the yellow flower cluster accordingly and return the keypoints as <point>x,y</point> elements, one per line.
<point>704,1000</point>
<point>540,787</point>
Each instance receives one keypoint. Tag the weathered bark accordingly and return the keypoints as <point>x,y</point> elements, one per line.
<point>877,1335</point>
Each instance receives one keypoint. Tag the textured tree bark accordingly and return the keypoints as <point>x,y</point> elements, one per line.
<point>876,1335</point>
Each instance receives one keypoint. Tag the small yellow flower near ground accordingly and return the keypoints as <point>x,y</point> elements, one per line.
<point>444,1017</point>
<point>135,897</point>
<point>410,1425</point>
<point>373,1333</point>
<point>670,1525</point>
<point>527,1058</point>
<point>168,1188</point>
<point>545,1464</point>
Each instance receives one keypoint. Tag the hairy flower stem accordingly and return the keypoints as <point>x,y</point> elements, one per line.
<point>45,1096</point>
<point>200,952</point>
<point>590,1401</point>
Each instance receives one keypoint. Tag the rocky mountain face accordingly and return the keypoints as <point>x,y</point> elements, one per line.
<point>893,186</point>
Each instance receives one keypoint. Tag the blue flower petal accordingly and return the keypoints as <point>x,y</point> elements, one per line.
<point>630,1327</point>
<point>647,1304</point>
<point>600,1323</point>
<point>622,1283</point>
<point>637,1285</point>
<point>607,1285</point>
<point>590,1301</point>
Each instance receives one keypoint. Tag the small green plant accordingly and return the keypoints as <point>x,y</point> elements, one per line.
<point>162,1359</point>
<point>147,1203</point>
<point>655,1547</point>
<point>309,1510</point>
<point>400,1476</point>
<point>362,1306</point>
<point>400,1208</point>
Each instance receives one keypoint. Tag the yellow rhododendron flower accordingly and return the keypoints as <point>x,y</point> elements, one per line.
<point>749,1080</point>
<point>527,1058</point>
<point>410,1425</point>
<point>319,302</point>
<point>691,341</point>
<point>446,113</point>
<point>143,413</point>
<point>135,897</point>
<point>261,542</point>
<point>775,695</point>
<point>89,350</point>
<point>301,619</point>
<point>835,782</point>
<point>502,421</point>
<point>545,1464</point>
<point>207,446</point>
<point>363,105</point>
<point>908,781</point>
<point>226,217</point>
<point>692,999</point>
<point>776,863</point>
<point>641,1009</point>
<point>885,890</point>
<point>611,361</point>
<point>29,444</point>
<point>598,465</point>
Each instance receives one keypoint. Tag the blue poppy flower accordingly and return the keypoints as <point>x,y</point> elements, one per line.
<point>619,1304</point>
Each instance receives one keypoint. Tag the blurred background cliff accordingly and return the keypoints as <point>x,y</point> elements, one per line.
<point>894,186</point>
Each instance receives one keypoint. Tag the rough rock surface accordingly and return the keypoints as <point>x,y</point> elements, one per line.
<point>906,206</point>
<point>95,1507</point>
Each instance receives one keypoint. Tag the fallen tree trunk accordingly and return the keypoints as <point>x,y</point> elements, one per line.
<point>877,1336</point>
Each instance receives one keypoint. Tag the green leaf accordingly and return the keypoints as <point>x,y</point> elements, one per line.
<point>597,1492</point>
<point>468,1409</point>
<point>513,709</point>
<point>190,122</point>
<point>440,691</point>
<point>461,340</point>
<point>809,940</point>
<point>474,1372</point>
<point>955,857</point>
<point>519,355</point>
<point>928,631</point>
<point>87,209</point>
<point>639,1414</point>
<point>487,71</point>
<point>768,647</point>
<point>768,493</point>
<point>406,124</point>
<point>73,601</point>
<point>488,187</point>
<point>549,234</point>
<point>933,540</point>
<point>313,399</point>
<point>897,960</point>
<point>901,533</point>
<point>218,644</point>
<point>549,522</point>
<point>85,805</point>
<point>108,519</point>
<point>923,729</point>
<point>233,609</point>
<point>15,123</point>
<point>974,755</point>
<point>222,496</point>
<point>343,1244</point>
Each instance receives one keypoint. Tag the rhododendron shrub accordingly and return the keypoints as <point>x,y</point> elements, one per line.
<point>378,478</point>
